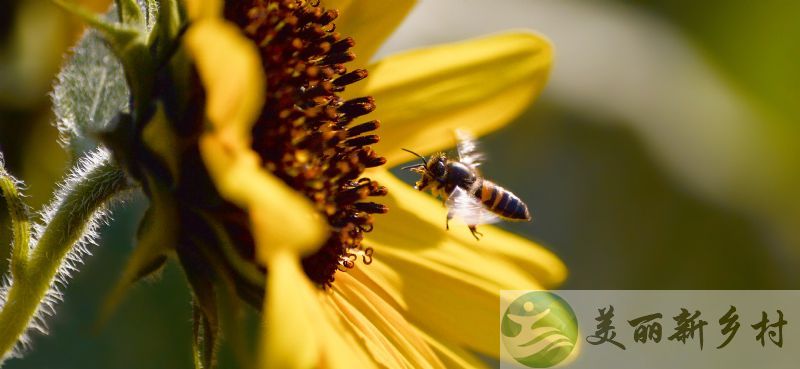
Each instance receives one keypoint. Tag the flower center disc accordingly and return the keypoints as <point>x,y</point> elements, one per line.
<point>305,134</point>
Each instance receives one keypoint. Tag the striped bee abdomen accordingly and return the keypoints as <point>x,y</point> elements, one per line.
<point>502,202</point>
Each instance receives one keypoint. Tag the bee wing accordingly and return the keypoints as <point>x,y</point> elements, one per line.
<point>468,151</point>
<point>462,205</point>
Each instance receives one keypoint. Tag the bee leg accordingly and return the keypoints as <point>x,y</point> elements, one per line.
<point>475,233</point>
<point>447,223</point>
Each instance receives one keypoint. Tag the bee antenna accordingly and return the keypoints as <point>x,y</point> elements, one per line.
<point>424,162</point>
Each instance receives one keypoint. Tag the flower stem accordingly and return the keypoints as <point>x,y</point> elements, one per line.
<point>20,221</point>
<point>83,195</point>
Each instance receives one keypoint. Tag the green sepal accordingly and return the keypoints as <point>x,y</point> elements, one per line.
<point>164,37</point>
<point>157,237</point>
<point>213,276</point>
<point>130,13</point>
<point>119,136</point>
<point>239,325</point>
<point>150,153</point>
<point>245,269</point>
<point>219,253</point>
<point>160,139</point>
<point>205,327</point>
<point>205,333</point>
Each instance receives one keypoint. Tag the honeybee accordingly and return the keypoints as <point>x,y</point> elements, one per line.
<point>465,193</point>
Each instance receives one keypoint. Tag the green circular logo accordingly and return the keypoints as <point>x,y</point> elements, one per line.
<point>539,329</point>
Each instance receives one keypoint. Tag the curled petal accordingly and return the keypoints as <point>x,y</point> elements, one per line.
<point>281,217</point>
<point>230,69</point>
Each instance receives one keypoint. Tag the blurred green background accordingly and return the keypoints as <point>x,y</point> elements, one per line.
<point>664,154</point>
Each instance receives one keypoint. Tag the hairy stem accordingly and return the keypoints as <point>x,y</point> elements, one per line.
<point>20,221</point>
<point>81,198</point>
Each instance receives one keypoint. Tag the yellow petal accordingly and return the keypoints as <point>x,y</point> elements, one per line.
<point>385,282</point>
<point>479,85</point>
<point>298,332</point>
<point>230,69</point>
<point>289,340</point>
<point>371,338</point>
<point>281,217</point>
<point>414,210</point>
<point>448,302</point>
<point>369,23</point>
<point>366,311</point>
<point>203,8</point>
<point>380,280</point>
<point>348,344</point>
<point>435,270</point>
<point>452,356</point>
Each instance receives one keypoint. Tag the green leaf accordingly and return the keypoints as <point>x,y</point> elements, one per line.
<point>90,90</point>
<point>110,63</point>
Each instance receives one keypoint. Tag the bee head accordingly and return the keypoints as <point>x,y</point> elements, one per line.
<point>430,169</point>
<point>437,166</point>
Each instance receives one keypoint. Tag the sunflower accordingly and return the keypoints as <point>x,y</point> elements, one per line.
<point>249,129</point>
<point>424,297</point>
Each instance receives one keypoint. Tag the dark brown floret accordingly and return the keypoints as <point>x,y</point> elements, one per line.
<point>363,128</point>
<point>305,134</point>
